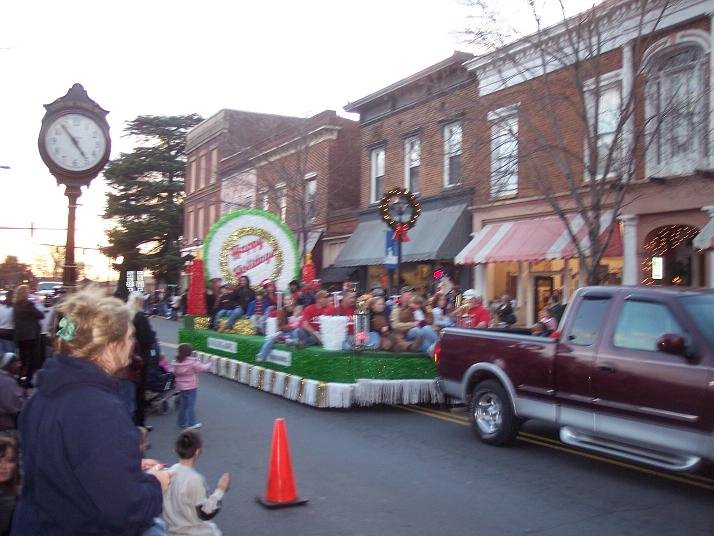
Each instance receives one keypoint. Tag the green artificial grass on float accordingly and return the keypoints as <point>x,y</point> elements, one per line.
<point>316,363</point>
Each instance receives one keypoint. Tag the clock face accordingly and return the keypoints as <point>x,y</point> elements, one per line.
<point>75,142</point>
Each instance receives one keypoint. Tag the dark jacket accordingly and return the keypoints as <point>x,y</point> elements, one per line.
<point>242,296</point>
<point>81,459</point>
<point>144,335</point>
<point>27,321</point>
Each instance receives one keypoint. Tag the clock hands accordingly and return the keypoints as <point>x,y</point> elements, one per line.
<point>74,141</point>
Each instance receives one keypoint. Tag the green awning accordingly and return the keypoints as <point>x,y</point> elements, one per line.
<point>439,234</point>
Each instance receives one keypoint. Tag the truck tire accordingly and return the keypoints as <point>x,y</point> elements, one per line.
<point>492,416</point>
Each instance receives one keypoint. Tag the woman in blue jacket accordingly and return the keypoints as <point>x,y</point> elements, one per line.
<point>80,450</point>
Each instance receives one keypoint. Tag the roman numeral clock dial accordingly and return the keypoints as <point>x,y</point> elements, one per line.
<point>75,142</point>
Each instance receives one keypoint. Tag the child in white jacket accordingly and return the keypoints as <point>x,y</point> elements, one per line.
<point>187,505</point>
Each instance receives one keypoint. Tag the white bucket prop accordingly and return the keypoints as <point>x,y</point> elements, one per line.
<point>333,331</point>
<point>271,326</point>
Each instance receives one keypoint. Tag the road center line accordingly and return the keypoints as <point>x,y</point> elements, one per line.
<point>693,480</point>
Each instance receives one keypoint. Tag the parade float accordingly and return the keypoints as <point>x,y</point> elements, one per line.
<point>259,245</point>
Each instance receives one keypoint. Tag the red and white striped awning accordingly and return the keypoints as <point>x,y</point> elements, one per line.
<point>705,238</point>
<point>536,239</point>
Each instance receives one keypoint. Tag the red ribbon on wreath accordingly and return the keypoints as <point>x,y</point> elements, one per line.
<point>400,232</point>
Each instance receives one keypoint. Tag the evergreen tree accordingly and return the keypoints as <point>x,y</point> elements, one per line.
<point>147,195</point>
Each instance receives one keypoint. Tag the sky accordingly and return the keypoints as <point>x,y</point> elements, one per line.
<point>158,57</point>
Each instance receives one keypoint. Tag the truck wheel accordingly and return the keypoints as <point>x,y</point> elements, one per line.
<point>492,414</point>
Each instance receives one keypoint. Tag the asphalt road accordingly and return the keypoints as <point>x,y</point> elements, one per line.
<point>420,471</point>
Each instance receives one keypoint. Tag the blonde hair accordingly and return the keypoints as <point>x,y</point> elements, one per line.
<point>135,302</point>
<point>21,293</point>
<point>98,319</point>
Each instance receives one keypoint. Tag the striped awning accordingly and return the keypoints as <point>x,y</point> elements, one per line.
<point>536,239</point>
<point>705,238</point>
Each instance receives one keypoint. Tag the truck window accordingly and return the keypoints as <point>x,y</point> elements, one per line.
<point>701,311</point>
<point>642,323</point>
<point>588,320</point>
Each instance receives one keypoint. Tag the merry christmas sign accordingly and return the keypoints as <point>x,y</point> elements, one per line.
<point>253,243</point>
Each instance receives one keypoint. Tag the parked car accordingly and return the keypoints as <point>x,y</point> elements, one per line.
<point>629,373</point>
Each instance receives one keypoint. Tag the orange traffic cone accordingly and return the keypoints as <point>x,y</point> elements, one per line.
<point>280,491</point>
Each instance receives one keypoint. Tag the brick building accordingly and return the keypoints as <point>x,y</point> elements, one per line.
<point>304,170</point>
<point>411,136</point>
<point>661,229</point>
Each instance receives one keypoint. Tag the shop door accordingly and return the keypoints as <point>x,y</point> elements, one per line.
<point>543,288</point>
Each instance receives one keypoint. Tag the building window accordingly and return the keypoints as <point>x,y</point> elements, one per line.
<point>282,201</point>
<point>191,179</point>
<point>377,175</point>
<point>311,198</point>
<point>605,131</point>
<point>412,159</point>
<point>211,214</point>
<point>201,172</point>
<point>265,201</point>
<point>214,166</point>
<point>452,154</point>
<point>200,223</point>
<point>190,234</point>
<point>504,151</point>
<point>676,112</point>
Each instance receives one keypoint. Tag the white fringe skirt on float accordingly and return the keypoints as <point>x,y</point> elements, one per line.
<point>365,392</point>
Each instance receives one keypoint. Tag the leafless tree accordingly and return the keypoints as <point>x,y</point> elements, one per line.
<point>579,137</point>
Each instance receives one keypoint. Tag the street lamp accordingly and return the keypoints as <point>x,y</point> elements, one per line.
<point>401,212</point>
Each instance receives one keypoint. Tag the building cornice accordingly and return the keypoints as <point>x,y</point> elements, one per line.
<point>523,60</point>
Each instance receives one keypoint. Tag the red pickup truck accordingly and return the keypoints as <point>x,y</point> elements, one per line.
<point>629,373</point>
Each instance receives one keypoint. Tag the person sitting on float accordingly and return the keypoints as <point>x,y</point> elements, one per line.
<point>410,322</point>
<point>241,297</point>
<point>223,307</point>
<point>472,314</point>
<point>288,323</point>
<point>309,332</point>
<point>380,331</point>
<point>263,306</point>
<point>442,316</point>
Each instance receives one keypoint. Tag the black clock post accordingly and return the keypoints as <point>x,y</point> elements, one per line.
<point>74,143</point>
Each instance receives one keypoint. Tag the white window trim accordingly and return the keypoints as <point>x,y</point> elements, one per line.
<point>309,177</point>
<point>373,171</point>
<point>407,160</point>
<point>497,117</point>
<point>607,81</point>
<point>282,191</point>
<point>685,38</point>
<point>447,155</point>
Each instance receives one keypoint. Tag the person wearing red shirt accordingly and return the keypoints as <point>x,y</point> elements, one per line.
<point>477,316</point>
<point>309,333</point>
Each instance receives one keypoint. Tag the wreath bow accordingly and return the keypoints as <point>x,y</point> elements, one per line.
<point>400,232</point>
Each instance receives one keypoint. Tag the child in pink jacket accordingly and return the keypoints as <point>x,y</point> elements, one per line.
<point>186,369</point>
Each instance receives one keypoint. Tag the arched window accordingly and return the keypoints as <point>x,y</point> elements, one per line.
<point>676,110</point>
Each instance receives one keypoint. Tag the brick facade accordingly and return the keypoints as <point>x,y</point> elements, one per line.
<point>257,160</point>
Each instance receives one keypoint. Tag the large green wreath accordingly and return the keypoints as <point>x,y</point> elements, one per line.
<point>292,242</point>
<point>396,193</point>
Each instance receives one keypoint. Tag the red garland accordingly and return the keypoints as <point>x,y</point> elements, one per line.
<point>400,232</point>
<point>197,289</point>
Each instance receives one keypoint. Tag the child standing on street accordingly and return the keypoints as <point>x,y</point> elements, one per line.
<point>186,369</point>
<point>187,505</point>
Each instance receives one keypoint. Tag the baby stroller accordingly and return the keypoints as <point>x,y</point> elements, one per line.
<point>160,387</point>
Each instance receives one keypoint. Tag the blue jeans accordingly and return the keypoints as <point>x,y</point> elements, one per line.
<point>187,408</point>
<point>235,315</point>
<point>305,337</point>
<point>428,335</point>
<point>373,340</point>
<point>267,347</point>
